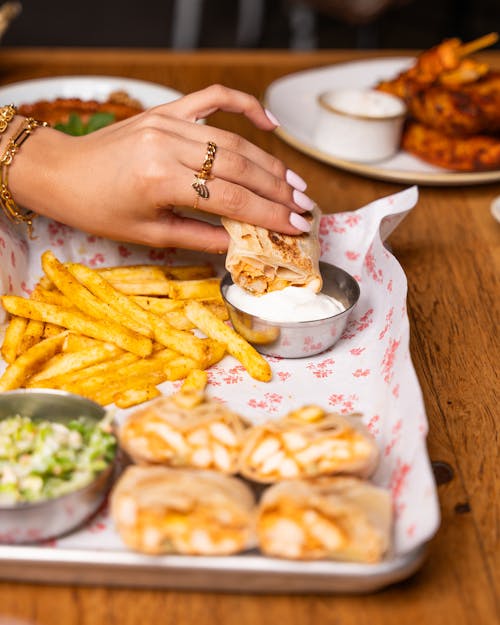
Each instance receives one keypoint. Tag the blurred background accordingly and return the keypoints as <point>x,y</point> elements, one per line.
<point>293,24</point>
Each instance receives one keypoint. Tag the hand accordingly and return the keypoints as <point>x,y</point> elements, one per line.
<point>125,181</point>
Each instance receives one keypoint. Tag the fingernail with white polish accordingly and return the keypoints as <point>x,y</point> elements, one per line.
<point>299,222</point>
<point>272,118</point>
<point>295,180</point>
<point>302,200</point>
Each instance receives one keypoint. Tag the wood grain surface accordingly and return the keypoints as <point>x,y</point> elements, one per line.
<point>449,249</point>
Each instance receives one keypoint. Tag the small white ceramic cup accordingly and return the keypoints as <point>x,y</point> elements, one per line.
<point>362,125</point>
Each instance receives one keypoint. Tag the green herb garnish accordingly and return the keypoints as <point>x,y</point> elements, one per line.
<point>77,127</point>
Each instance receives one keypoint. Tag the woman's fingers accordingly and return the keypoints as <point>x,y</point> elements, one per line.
<point>232,142</point>
<point>231,200</point>
<point>203,103</point>
<point>173,230</point>
<point>236,168</point>
<point>236,160</point>
<point>202,133</point>
<point>167,166</point>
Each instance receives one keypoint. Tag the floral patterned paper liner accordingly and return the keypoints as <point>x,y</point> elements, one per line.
<point>369,370</point>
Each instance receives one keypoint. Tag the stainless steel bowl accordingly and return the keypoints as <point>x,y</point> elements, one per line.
<point>29,522</point>
<point>301,338</point>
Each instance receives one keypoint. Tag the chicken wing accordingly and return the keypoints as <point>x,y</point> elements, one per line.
<point>473,153</point>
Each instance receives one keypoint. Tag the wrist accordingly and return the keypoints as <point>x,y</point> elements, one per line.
<point>32,173</point>
<point>14,142</point>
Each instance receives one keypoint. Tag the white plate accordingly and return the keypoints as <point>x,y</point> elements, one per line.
<point>87,88</point>
<point>292,99</point>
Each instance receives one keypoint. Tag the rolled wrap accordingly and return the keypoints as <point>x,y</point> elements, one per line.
<point>161,510</point>
<point>205,435</point>
<point>289,448</point>
<point>261,261</point>
<point>338,518</point>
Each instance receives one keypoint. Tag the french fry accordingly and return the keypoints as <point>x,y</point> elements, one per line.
<point>18,372</point>
<point>32,335</point>
<point>51,297</point>
<point>13,338</point>
<point>78,342</point>
<point>114,333</point>
<point>216,352</point>
<point>189,272</point>
<point>177,319</point>
<point>153,279</point>
<point>256,337</point>
<point>95,373</point>
<point>106,330</point>
<point>108,395</point>
<point>195,380</point>
<point>180,368</point>
<point>132,397</point>
<point>67,362</point>
<point>158,305</point>
<point>172,311</point>
<point>192,391</point>
<point>102,289</point>
<point>136,375</point>
<point>121,378</point>
<point>131,272</point>
<point>256,365</point>
<point>83,299</point>
<point>51,329</point>
<point>218,308</point>
<point>163,305</point>
<point>141,287</point>
<point>188,398</point>
<point>184,342</point>
<point>46,283</point>
<point>194,289</point>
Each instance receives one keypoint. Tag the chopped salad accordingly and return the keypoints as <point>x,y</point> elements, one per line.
<point>45,459</point>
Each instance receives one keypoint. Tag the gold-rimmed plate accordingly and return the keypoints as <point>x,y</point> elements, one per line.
<point>293,100</point>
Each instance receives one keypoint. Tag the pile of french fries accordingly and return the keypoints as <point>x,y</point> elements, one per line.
<point>113,334</point>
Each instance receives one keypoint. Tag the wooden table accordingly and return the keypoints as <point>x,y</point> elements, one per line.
<point>449,250</point>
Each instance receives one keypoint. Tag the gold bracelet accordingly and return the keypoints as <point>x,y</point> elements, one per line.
<point>7,202</point>
<point>7,113</point>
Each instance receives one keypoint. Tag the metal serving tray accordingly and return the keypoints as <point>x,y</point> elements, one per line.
<point>370,371</point>
<point>249,573</point>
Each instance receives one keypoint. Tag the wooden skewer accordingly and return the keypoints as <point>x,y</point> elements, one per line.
<point>478,44</point>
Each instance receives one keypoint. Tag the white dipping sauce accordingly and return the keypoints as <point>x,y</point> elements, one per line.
<point>365,103</point>
<point>290,304</point>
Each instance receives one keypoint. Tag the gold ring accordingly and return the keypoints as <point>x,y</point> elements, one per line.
<point>200,179</point>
